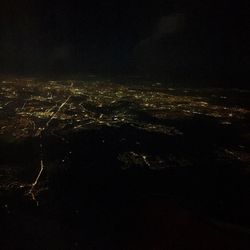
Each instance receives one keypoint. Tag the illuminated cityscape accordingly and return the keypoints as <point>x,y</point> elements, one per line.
<point>39,109</point>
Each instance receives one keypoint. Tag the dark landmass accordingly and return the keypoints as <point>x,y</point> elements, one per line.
<point>99,165</point>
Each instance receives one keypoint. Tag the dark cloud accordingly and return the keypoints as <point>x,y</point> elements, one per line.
<point>174,22</point>
<point>174,37</point>
<point>206,41</point>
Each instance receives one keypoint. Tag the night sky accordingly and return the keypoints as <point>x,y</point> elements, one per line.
<point>183,40</point>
